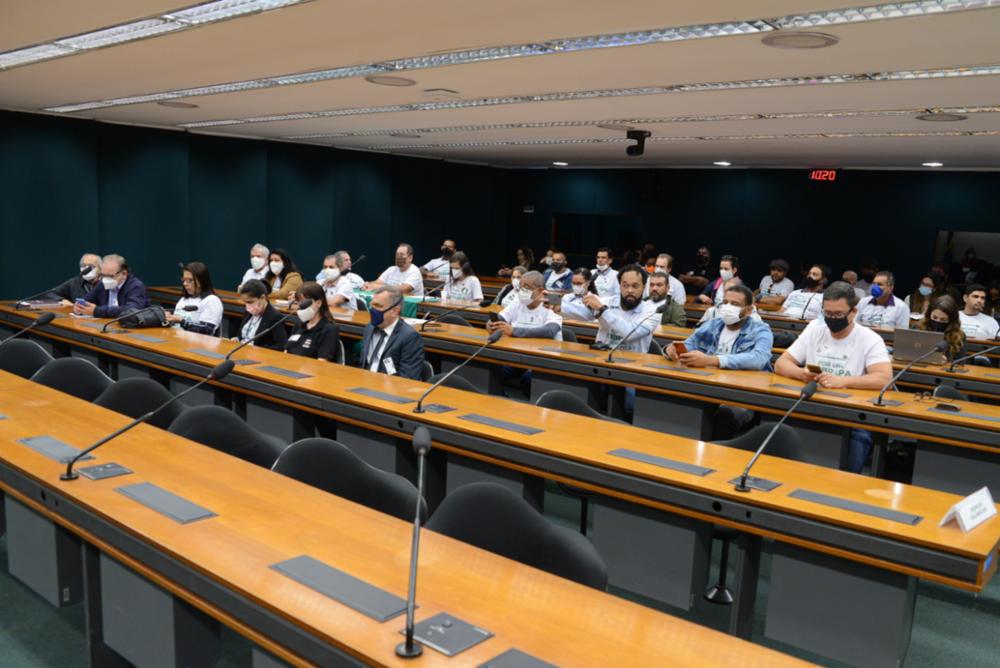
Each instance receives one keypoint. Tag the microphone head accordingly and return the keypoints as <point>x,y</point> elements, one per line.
<point>359,260</point>
<point>304,304</point>
<point>941,346</point>
<point>809,390</point>
<point>485,303</point>
<point>421,440</point>
<point>45,318</point>
<point>222,370</point>
<point>495,336</point>
<point>190,308</point>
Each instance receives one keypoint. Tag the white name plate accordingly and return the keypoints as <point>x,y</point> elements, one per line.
<point>971,511</point>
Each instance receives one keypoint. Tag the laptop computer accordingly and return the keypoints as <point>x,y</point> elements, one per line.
<point>909,344</point>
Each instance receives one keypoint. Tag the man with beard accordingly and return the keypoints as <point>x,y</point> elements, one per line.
<point>673,313</point>
<point>618,316</point>
<point>439,268</point>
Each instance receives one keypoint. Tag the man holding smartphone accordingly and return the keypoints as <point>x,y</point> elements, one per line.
<point>848,354</point>
<point>625,320</point>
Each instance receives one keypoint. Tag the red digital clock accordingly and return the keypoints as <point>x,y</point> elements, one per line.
<point>823,175</point>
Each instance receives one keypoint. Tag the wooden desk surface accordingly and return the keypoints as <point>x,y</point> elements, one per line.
<point>264,518</point>
<point>588,441</point>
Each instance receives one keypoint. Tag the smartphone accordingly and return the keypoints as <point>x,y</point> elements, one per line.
<point>815,368</point>
<point>553,298</point>
<point>680,348</point>
<point>494,316</point>
<point>80,301</point>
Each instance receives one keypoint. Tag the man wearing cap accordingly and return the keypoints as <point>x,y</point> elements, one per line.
<point>776,285</point>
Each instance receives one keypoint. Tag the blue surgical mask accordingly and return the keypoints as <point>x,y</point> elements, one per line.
<point>925,290</point>
<point>877,291</point>
<point>378,317</point>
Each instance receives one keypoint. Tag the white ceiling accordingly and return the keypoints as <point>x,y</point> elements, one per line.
<point>324,33</point>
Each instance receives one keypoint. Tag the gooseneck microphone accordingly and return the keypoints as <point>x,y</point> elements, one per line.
<point>23,303</point>
<point>421,446</point>
<point>40,321</point>
<point>218,373</point>
<point>448,312</point>
<point>304,304</point>
<point>493,338</point>
<point>939,347</point>
<point>951,367</point>
<point>807,392</point>
<point>659,311</point>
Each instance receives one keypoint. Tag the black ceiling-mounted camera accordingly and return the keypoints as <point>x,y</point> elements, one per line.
<point>640,142</point>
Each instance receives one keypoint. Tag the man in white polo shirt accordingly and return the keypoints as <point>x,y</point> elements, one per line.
<point>882,309</point>
<point>438,268</point>
<point>605,278</point>
<point>849,355</point>
<point>403,274</point>
<point>975,323</point>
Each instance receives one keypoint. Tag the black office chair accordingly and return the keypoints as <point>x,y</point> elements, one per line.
<point>731,421</point>
<point>949,392</point>
<point>426,372</point>
<point>137,396</point>
<point>454,319</point>
<point>223,430</point>
<point>456,382</point>
<point>23,358</point>
<point>332,467</point>
<point>783,337</point>
<point>362,305</point>
<point>568,335</point>
<point>75,376</point>
<point>981,360</point>
<point>494,518</point>
<point>785,444</point>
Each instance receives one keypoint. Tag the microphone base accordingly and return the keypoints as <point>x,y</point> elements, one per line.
<point>885,402</point>
<point>418,410</point>
<point>411,652</point>
<point>68,476</point>
<point>958,370</point>
<point>760,484</point>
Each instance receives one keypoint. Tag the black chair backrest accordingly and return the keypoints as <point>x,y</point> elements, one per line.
<point>456,382</point>
<point>362,305</point>
<point>568,335</point>
<point>75,376</point>
<point>949,392</point>
<point>561,400</point>
<point>137,396</point>
<point>494,518</point>
<point>23,358</point>
<point>785,444</point>
<point>223,430</point>
<point>426,371</point>
<point>331,466</point>
<point>454,319</point>
<point>783,337</point>
<point>981,360</point>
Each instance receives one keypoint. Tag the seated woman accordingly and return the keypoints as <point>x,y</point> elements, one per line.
<point>260,317</point>
<point>930,288</point>
<point>200,309</point>
<point>509,292</point>
<point>942,316</point>
<point>462,282</point>
<point>316,334</point>
<point>284,278</point>
<point>572,306</point>
<point>525,258</point>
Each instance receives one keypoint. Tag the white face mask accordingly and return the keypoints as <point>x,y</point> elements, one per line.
<point>257,262</point>
<point>515,284</point>
<point>524,296</point>
<point>601,266</point>
<point>89,273</point>
<point>725,274</point>
<point>579,290</point>
<point>306,314</point>
<point>328,274</point>
<point>456,274</point>
<point>729,314</point>
<point>109,283</point>
<point>277,268</point>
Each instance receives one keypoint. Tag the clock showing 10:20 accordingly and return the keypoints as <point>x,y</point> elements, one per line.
<point>823,175</point>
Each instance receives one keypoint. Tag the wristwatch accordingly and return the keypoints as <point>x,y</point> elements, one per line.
<point>600,311</point>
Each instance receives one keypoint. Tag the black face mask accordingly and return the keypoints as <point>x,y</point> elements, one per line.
<point>558,266</point>
<point>629,303</point>
<point>446,252</point>
<point>809,282</point>
<point>836,324</point>
<point>936,326</point>
<point>868,276</point>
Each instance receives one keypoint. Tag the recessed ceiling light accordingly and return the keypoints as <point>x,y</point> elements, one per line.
<point>558,163</point>
<point>384,80</point>
<point>404,135</point>
<point>615,127</point>
<point>939,117</point>
<point>799,40</point>
<point>177,105</point>
<point>722,163</point>
<point>933,164</point>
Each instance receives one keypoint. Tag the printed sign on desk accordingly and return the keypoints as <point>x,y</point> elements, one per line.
<point>971,511</point>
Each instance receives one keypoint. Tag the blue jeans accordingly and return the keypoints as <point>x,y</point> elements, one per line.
<point>859,446</point>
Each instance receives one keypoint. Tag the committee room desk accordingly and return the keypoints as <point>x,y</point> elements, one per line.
<point>652,518</point>
<point>223,565</point>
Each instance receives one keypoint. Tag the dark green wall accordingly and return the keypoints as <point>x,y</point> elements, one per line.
<point>161,197</point>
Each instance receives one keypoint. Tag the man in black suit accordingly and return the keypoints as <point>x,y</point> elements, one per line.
<point>390,345</point>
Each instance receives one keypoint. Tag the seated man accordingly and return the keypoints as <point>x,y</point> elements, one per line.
<point>881,309</point>
<point>975,323</point>
<point>259,253</point>
<point>851,278</point>
<point>712,312</point>
<point>336,285</point>
<point>850,356</point>
<point>776,286</point>
<point>403,274</point>
<point>673,313</point>
<point>626,321</point>
<point>118,292</point>
<point>388,344</point>
<point>345,264</point>
<point>558,277</point>
<point>78,286</point>
<point>733,340</point>
<point>729,268</point>
<point>665,263</point>
<point>806,302</point>
<point>605,278</point>
<point>439,268</point>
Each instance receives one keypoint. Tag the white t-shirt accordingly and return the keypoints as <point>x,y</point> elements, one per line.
<point>466,288</point>
<point>606,282</point>
<point>519,315</point>
<point>253,273</point>
<point>574,308</point>
<point>803,305</point>
<point>396,276</point>
<point>852,355</point>
<point>343,287</point>
<point>440,266</point>
<point>783,288</point>
<point>894,315</point>
<point>980,326</point>
<point>616,323</point>
<point>209,310</point>
<point>553,277</point>
<point>356,281</point>
<point>727,337</point>
<point>509,298</point>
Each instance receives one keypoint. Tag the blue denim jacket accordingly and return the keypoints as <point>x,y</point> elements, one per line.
<point>565,283</point>
<point>751,349</point>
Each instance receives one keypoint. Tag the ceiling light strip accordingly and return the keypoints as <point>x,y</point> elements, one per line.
<point>209,12</point>
<point>886,11</point>
<point>825,79</point>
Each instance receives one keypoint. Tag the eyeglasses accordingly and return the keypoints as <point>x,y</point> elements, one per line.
<point>836,316</point>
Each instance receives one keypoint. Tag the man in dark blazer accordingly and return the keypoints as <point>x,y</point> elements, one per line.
<point>118,291</point>
<point>389,344</point>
